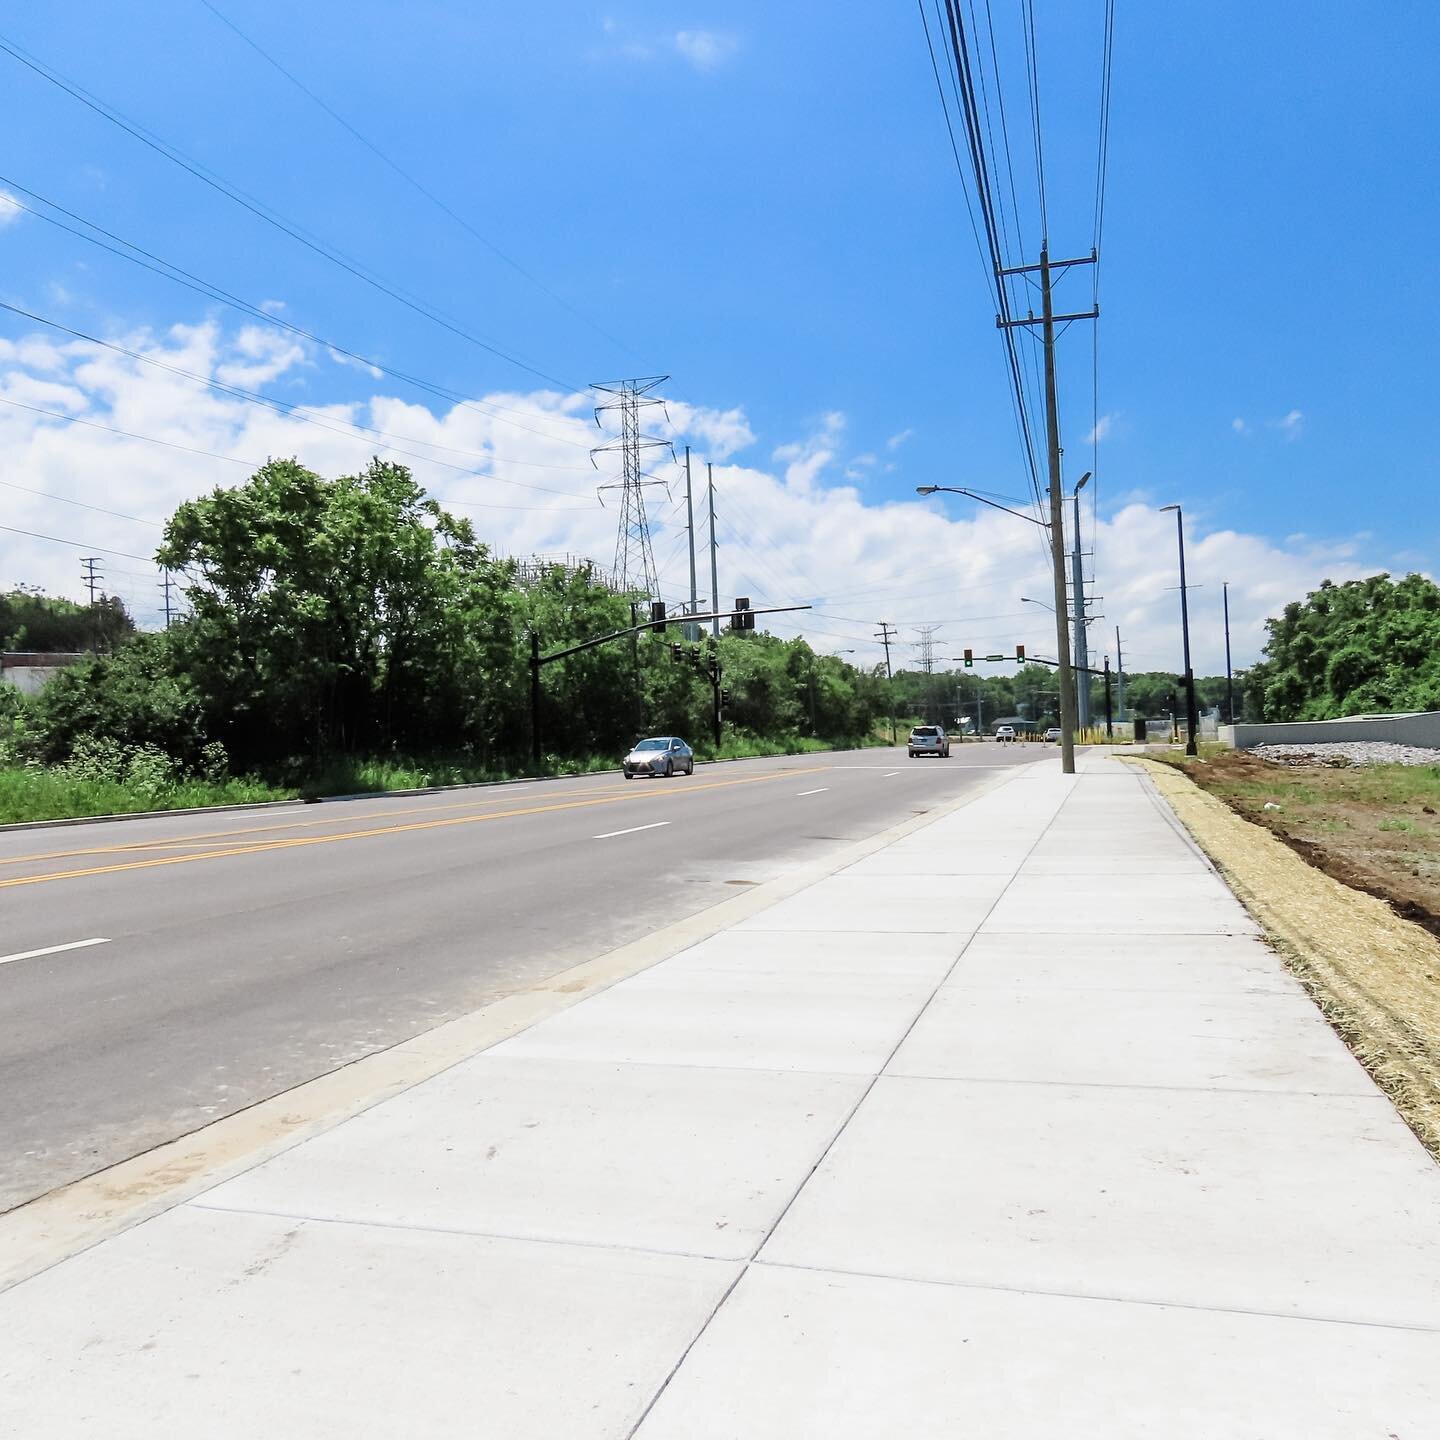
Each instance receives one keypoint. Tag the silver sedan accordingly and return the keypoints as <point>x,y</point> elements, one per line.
<point>661,756</point>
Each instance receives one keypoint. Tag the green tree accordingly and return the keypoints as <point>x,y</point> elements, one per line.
<point>1351,649</point>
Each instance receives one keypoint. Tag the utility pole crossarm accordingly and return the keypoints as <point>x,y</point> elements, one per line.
<point>1002,324</point>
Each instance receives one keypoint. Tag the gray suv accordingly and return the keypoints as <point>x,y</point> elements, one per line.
<point>929,740</point>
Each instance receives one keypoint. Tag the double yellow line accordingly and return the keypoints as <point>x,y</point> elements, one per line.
<point>260,847</point>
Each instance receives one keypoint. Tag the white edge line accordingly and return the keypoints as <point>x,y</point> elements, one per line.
<point>820,791</point>
<point>634,829</point>
<point>54,949</point>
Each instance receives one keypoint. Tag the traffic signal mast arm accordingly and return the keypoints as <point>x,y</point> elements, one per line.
<point>660,624</point>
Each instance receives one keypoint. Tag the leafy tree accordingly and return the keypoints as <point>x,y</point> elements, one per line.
<point>135,697</point>
<point>1351,649</point>
<point>32,620</point>
<point>327,616</point>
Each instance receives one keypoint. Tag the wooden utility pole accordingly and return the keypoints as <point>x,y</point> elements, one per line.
<point>1047,320</point>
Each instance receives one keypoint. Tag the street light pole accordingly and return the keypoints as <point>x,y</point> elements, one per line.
<point>1229,676</point>
<point>1192,715</point>
<point>1082,646</point>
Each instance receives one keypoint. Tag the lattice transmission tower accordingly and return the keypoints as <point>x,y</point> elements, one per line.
<point>634,568</point>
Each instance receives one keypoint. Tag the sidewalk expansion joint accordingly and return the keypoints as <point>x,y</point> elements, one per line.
<point>1358,1095</point>
<point>981,1285</point>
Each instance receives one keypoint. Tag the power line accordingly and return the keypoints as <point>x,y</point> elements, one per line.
<point>410,179</point>
<point>75,544</point>
<point>269,216</point>
<point>296,412</point>
<point>176,274</point>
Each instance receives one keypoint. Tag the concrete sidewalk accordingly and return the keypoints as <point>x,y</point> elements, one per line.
<point>1013,1129</point>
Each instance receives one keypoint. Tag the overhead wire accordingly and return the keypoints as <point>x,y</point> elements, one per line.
<point>249,464</point>
<point>269,215</point>
<point>410,180</point>
<point>298,412</point>
<point>168,270</point>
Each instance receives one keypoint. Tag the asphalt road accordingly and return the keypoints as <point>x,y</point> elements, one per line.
<point>246,953</point>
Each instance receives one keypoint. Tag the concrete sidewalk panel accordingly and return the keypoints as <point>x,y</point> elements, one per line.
<point>857,901</point>
<point>761,1024</point>
<point>1320,1206</point>
<point>1200,964</point>
<point>795,1355</point>
<point>918,962</point>
<point>1193,904</point>
<point>684,1160</point>
<point>230,1327</point>
<point>1118,1037</point>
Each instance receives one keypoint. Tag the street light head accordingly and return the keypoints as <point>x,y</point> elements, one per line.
<point>1164,508</point>
<point>1084,480</point>
<point>926,489</point>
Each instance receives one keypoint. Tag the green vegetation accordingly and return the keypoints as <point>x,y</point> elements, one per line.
<point>1032,693</point>
<point>349,635</point>
<point>1362,647</point>
<point>30,620</point>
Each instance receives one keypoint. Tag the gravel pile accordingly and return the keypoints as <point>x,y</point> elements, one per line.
<point>1349,752</point>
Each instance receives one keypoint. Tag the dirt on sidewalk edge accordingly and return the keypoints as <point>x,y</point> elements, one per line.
<point>1375,976</point>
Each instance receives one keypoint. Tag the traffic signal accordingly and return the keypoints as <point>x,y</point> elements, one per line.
<point>969,658</point>
<point>657,614</point>
<point>678,651</point>
<point>724,697</point>
<point>742,619</point>
<point>1020,653</point>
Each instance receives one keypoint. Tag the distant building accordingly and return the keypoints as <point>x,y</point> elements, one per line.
<point>29,671</point>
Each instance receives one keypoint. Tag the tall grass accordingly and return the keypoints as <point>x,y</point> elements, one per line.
<point>36,793</point>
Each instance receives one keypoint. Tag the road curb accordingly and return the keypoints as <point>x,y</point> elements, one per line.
<point>55,1226</point>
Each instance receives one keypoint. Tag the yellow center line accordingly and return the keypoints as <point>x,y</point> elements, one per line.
<point>134,845</point>
<point>299,840</point>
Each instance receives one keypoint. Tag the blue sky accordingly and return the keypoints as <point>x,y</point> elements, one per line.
<point>761,201</point>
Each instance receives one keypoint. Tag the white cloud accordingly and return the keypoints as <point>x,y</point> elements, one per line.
<point>787,533</point>
<point>373,371</point>
<point>1102,429</point>
<point>806,459</point>
<point>10,211</point>
<point>1239,426</point>
<point>705,49</point>
<point>1290,425</point>
<point>720,433</point>
<point>898,439</point>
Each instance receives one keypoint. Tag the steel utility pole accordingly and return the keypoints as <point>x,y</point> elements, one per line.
<point>1229,676</point>
<point>1109,713</point>
<point>714,567</point>
<point>1192,714</point>
<point>167,584</point>
<point>1047,321</point>
<point>692,631</point>
<point>1119,677</point>
<point>1082,646</point>
<point>886,635</point>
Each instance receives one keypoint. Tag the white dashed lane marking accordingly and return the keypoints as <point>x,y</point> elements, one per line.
<point>633,830</point>
<point>54,949</point>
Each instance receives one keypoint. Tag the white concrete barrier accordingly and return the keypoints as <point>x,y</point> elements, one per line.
<point>1421,728</point>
